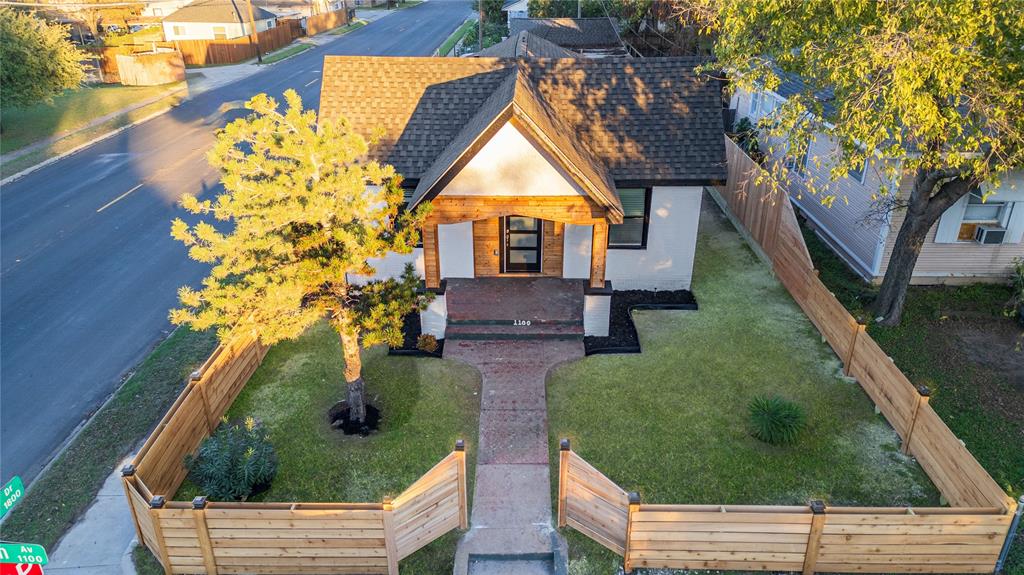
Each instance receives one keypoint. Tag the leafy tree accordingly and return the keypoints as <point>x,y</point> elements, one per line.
<point>306,212</point>
<point>492,10</point>
<point>493,33</point>
<point>929,88</point>
<point>37,62</point>
<point>571,8</point>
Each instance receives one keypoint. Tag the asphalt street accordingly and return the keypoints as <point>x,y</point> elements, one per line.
<point>88,269</point>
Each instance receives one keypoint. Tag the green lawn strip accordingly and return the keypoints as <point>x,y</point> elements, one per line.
<point>426,405</point>
<point>69,486</point>
<point>286,52</point>
<point>457,35</point>
<point>85,136</point>
<point>928,349</point>
<point>672,422</point>
<point>342,30</point>
<point>71,110</point>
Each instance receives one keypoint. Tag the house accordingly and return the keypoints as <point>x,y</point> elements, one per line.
<point>216,20</point>
<point>525,45</point>
<point>974,240</point>
<point>299,8</point>
<point>516,9</point>
<point>158,9</point>
<point>594,37</point>
<point>530,176</point>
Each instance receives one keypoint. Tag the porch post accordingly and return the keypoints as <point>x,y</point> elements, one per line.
<point>431,257</point>
<point>598,253</point>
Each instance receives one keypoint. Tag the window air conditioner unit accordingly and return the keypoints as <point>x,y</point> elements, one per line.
<point>989,235</point>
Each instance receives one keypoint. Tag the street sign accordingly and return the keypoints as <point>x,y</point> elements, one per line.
<point>11,494</point>
<point>20,569</point>
<point>29,553</point>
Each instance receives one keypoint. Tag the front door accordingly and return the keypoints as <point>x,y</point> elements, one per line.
<point>522,237</point>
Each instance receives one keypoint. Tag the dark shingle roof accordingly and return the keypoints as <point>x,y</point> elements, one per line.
<point>643,119</point>
<point>526,45</point>
<point>226,11</point>
<point>579,33</point>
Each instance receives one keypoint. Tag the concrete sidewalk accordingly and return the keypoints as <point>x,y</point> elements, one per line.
<point>100,543</point>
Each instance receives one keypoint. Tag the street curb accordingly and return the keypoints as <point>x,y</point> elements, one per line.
<point>100,138</point>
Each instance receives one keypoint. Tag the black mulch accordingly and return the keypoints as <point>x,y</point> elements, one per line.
<point>622,336</point>
<point>411,330</point>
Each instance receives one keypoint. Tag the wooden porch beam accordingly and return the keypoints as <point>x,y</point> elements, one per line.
<point>598,253</point>
<point>431,257</point>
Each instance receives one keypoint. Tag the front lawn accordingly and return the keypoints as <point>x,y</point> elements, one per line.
<point>286,52</point>
<point>672,422</point>
<point>426,404</point>
<point>71,110</point>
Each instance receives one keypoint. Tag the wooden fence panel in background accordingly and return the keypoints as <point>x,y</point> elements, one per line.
<point>592,504</point>
<point>207,52</point>
<point>327,21</point>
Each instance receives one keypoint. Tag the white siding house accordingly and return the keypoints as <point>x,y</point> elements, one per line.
<point>863,234</point>
<point>215,20</point>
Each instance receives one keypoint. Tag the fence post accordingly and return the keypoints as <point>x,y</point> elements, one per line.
<point>155,505</point>
<point>389,536</point>
<point>634,506</point>
<point>564,450</point>
<point>460,452</point>
<point>1010,535</point>
<point>814,537</point>
<point>126,472</point>
<point>848,360</point>
<point>922,399</point>
<point>203,534</point>
<point>194,379</point>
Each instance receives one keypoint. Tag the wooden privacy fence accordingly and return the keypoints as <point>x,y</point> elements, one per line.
<point>326,21</point>
<point>210,538</point>
<point>964,538</point>
<point>206,52</point>
<point>812,538</point>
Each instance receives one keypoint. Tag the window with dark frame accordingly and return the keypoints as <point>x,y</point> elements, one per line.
<point>858,174</point>
<point>632,232</point>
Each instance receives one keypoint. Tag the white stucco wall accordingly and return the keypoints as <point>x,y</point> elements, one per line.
<point>392,266</point>
<point>205,30</point>
<point>667,262</point>
<point>510,165</point>
<point>576,257</point>
<point>597,311</point>
<point>455,249</point>
<point>434,319</point>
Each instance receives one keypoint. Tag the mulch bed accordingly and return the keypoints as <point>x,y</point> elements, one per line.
<point>622,336</point>
<point>411,330</point>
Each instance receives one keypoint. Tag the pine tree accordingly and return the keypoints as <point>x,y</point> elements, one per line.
<point>306,212</point>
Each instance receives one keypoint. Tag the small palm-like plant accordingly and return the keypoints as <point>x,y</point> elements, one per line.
<point>775,419</point>
<point>234,462</point>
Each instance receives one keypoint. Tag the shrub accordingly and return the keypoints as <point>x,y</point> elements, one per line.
<point>426,342</point>
<point>776,420</point>
<point>234,462</point>
<point>1016,303</point>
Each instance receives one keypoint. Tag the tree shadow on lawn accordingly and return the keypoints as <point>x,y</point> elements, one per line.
<point>672,422</point>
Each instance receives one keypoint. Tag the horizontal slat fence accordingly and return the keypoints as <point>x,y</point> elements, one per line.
<point>964,538</point>
<point>812,538</point>
<point>207,52</point>
<point>210,538</point>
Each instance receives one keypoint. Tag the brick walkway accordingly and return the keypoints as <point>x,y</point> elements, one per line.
<point>511,531</point>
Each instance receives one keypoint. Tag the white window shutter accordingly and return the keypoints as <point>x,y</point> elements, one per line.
<point>1015,225</point>
<point>949,223</point>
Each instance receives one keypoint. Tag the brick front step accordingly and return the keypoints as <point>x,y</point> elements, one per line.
<point>512,322</point>
<point>477,331</point>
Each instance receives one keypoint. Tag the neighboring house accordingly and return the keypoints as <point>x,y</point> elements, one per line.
<point>216,20</point>
<point>299,8</point>
<point>528,175</point>
<point>525,45</point>
<point>516,9</point>
<point>593,37</point>
<point>972,241</point>
<point>158,9</point>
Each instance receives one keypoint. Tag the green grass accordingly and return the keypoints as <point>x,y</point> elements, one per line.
<point>342,30</point>
<point>974,399</point>
<point>672,422</point>
<point>426,405</point>
<point>455,36</point>
<point>286,52</point>
<point>64,492</point>
<point>70,111</point>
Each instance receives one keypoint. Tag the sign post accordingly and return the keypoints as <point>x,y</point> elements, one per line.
<point>11,494</point>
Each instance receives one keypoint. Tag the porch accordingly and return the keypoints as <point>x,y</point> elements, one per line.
<point>515,308</point>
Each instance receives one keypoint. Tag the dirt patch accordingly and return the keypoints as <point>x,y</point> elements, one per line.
<point>997,346</point>
<point>338,418</point>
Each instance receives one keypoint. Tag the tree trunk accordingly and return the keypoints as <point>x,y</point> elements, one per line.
<point>356,390</point>
<point>923,209</point>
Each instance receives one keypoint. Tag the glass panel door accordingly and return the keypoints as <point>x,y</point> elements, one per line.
<point>522,244</point>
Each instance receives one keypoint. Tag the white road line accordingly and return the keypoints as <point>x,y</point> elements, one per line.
<point>117,199</point>
<point>313,81</point>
